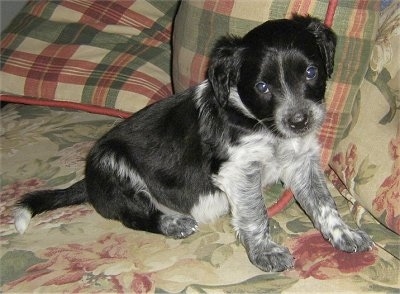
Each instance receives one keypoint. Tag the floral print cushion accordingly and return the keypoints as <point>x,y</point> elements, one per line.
<point>75,250</point>
<point>367,159</point>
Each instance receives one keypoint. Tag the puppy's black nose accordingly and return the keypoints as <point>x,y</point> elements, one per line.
<point>298,121</point>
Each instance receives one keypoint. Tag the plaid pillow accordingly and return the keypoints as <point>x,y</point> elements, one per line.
<point>199,23</point>
<point>96,55</point>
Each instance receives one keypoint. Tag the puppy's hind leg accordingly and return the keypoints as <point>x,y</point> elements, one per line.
<point>117,191</point>
<point>141,213</point>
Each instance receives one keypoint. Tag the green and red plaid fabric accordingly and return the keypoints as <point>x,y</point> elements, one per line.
<point>97,55</point>
<point>114,57</point>
<point>199,23</point>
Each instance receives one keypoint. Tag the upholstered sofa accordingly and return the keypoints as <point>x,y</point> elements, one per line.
<point>70,70</point>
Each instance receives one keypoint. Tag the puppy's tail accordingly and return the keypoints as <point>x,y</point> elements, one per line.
<point>41,201</point>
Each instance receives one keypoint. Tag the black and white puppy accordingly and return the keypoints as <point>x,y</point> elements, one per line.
<point>208,151</point>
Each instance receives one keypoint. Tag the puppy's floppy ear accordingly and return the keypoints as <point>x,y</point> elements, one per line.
<point>325,37</point>
<point>223,71</point>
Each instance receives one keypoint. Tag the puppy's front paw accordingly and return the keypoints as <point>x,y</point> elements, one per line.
<point>178,226</point>
<point>271,257</point>
<point>349,240</point>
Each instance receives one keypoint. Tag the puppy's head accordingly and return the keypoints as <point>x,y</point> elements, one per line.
<point>276,74</point>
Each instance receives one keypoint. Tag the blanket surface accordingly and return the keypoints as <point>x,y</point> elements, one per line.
<point>75,250</point>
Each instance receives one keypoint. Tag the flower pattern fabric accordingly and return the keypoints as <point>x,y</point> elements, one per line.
<point>388,198</point>
<point>73,249</point>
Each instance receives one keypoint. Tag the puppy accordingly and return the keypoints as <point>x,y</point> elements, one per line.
<point>208,151</point>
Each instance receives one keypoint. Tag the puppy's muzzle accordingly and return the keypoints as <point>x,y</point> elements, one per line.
<point>298,121</point>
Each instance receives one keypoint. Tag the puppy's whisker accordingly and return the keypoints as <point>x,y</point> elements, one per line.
<point>262,122</point>
<point>268,119</point>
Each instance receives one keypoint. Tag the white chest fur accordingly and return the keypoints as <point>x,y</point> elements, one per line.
<point>272,159</point>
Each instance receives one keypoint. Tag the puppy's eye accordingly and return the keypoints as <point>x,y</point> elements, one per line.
<point>311,72</point>
<point>262,87</point>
